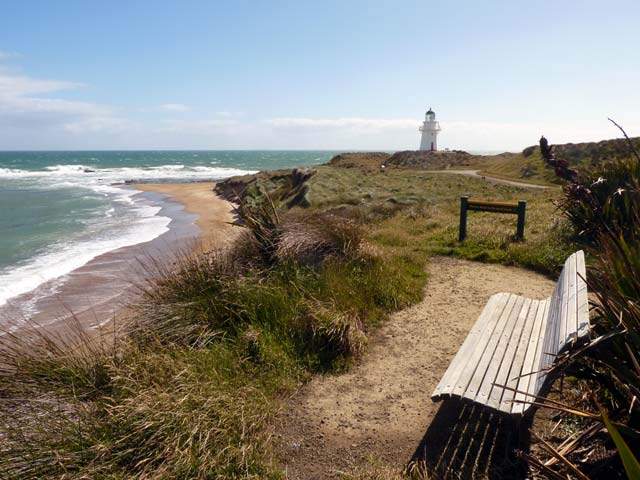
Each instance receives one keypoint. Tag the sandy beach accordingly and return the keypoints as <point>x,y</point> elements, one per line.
<point>215,215</point>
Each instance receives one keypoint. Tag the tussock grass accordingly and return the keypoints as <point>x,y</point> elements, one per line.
<point>40,358</point>
<point>170,413</point>
<point>311,238</point>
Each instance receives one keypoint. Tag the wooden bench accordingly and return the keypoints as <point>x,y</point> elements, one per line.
<point>514,342</point>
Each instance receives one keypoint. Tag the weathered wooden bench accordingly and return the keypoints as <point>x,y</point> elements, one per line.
<point>515,341</point>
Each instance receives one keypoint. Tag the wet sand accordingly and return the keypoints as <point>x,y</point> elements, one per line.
<point>98,292</point>
<point>215,215</point>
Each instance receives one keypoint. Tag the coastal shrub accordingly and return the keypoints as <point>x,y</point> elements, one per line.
<point>606,198</point>
<point>207,299</point>
<point>603,206</point>
<point>599,199</point>
<point>615,281</point>
<point>261,216</point>
<point>335,335</point>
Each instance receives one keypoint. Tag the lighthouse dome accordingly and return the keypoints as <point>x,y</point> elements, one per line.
<point>430,112</point>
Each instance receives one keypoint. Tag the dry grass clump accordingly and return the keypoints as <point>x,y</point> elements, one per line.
<point>184,415</point>
<point>36,358</point>
<point>189,302</point>
<point>305,238</point>
<point>336,333</point>
<point>311,239</point>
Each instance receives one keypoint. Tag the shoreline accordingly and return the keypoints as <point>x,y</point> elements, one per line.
<point>215,215</point>
<point>97,292</point>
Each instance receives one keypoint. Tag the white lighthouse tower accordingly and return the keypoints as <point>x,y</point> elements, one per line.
<point>429,129</point>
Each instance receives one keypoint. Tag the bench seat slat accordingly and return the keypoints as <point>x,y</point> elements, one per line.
<point>520,351</point>
<point>529,376</point>
<point>570,300</point>
<point>552,328</point>
<point>583,300</point>
<point>510,356</point>
<point>573,306</point>
<point>471,348</point>
<point>498,357</point>
<point>483,364</point>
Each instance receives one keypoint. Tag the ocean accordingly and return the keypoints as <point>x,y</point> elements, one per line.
<point>59,210</point>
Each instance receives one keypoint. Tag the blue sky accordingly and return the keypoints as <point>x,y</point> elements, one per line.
<point>314,75</point>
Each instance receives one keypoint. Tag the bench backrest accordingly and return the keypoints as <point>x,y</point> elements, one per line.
<point>568,318</point>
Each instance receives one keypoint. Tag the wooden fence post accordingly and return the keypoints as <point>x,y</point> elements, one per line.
<point>522,206</point>
<point>464,204</point>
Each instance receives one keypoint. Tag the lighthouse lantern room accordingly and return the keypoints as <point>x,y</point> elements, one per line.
<point>430,129</point>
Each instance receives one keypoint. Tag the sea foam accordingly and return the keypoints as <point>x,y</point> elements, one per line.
<point>61,259</point>
<point>129,220</point>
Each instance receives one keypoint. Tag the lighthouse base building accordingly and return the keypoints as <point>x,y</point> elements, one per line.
<point>430,129</point>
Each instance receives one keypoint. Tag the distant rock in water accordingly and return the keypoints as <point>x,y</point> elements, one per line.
<point>426,160</point>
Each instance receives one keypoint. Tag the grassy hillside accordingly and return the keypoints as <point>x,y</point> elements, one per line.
<point>401,201</point>
<point>529,166</point>
<point>526,166</point>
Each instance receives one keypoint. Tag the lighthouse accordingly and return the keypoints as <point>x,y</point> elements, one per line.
<point>429,129</point>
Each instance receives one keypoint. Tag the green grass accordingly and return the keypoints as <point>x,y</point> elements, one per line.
<point>418,211</point>
<point>516,166</point>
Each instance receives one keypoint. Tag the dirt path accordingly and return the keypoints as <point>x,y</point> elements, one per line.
<point>381,408</point>
<point>477,174</point>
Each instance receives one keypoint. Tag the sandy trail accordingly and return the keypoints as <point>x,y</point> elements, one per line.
<point>488,178</point>
<point>381,408</point>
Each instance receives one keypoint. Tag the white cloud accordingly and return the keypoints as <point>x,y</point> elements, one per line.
<point>7,55</point>
<point>100,124</point>
<point>27,106</point>
<point>14,85</point>
<point>225,113</point>
<point>175,107</point>
<point>205,126</point>
<point>350,123</point>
